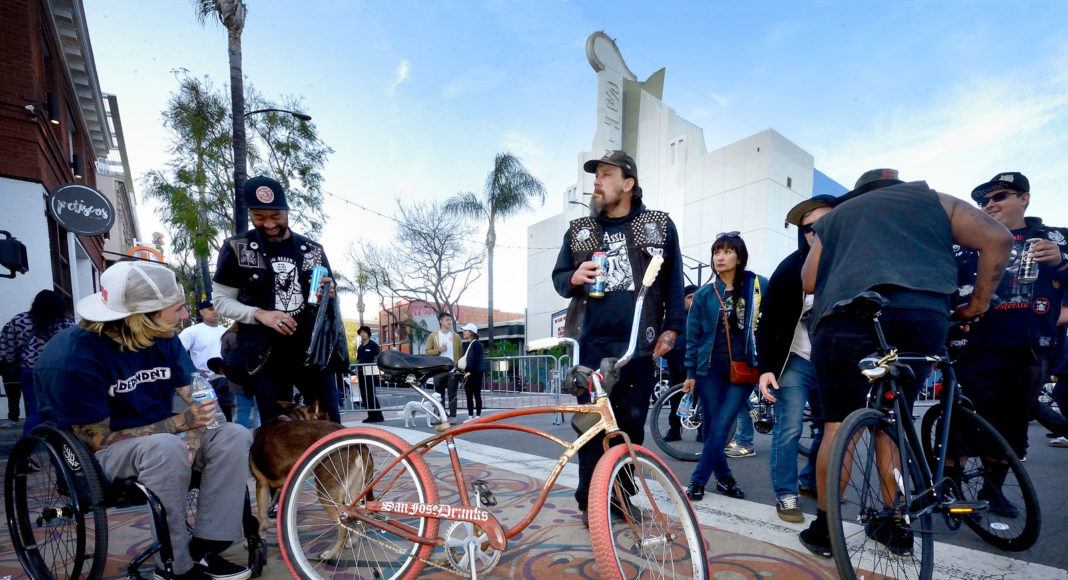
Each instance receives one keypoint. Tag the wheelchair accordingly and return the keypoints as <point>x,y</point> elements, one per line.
<point>56,501</point>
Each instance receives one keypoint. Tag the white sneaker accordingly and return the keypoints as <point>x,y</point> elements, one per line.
<point>9,425</point>
<point>1059,442</point>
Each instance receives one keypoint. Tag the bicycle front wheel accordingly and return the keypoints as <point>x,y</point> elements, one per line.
<point>690,434</point>
<point>988,470</point>
<point>661,537</point>
<point>336,472</point>
<point>874,530</point>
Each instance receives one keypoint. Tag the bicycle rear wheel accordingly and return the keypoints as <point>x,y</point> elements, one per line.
<point>335,472</point>
<point>691,431</point>
<point>1013,520</point>
<point>644,547</point>
<point>866,512</point>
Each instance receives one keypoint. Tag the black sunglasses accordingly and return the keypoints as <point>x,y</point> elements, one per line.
<point>727,235</point>
<point>998,197</point>
<point>807,229</point>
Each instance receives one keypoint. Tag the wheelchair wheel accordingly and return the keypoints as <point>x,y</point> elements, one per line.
<point>55,506</point>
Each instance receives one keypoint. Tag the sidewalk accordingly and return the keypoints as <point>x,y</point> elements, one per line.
<point>554,545</point>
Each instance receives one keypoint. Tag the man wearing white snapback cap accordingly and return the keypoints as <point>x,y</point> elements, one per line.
<point>112,378</point>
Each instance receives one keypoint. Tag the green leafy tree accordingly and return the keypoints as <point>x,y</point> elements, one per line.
<point>192,196</point>
<point>508,190</point>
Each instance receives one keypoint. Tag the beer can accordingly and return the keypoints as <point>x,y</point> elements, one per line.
<point>317,275</point>
<point>1028,266</point>
<point>597,288</point>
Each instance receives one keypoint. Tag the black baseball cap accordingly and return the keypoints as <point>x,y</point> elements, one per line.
<point>264,193</point>
<point>618,158</point>
<point>205,304</point>
<point>1013,180</point>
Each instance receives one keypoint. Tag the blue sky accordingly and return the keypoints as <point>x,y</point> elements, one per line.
<point>417,97</point>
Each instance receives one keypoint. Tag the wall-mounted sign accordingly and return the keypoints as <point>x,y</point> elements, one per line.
<point>146,253</point>
<point>80,209</point>
<point>559,321</point>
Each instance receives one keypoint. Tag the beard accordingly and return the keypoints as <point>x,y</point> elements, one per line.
<point>282,234</point>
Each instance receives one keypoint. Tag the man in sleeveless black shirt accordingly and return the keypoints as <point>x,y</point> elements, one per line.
<point>895,238</point>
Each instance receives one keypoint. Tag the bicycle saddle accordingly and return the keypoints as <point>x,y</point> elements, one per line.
<point>396,363</point>
<point>865,304</point>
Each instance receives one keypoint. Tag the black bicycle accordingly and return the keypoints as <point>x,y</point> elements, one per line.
<point>894,482</point>
<point>690,441</point>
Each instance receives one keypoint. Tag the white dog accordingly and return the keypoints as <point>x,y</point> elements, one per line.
<point>412,409</point>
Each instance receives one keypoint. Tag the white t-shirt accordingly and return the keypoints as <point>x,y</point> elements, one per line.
<point>203,342</point>
<point>802,345</point>
<point>445,343</point>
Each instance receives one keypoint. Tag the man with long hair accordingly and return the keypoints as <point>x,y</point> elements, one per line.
<point>112,380</point>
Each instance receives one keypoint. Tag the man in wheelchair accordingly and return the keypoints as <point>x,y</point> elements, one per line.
<point>112,379</point>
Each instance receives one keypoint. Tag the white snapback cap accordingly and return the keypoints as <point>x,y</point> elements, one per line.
<point>133,287</point>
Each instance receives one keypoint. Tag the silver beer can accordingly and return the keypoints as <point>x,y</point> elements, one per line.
<point>597,288</point>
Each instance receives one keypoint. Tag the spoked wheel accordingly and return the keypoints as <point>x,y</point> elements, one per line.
<point>691,432</point>
<point>334,473</point>
<point>990,471</point>
<point>645,544</point>
<point>874,534</point>
<point>55,514</point>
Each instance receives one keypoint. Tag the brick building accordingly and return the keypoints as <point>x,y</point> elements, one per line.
<point>395,332</point>
<point>55,129</point>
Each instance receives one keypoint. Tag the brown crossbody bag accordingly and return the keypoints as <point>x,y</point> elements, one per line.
<point>741,372</point>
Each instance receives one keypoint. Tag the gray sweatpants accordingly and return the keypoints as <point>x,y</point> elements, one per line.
<point>161,462</point>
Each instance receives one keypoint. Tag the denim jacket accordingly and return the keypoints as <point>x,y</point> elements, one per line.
<point>705,320</point>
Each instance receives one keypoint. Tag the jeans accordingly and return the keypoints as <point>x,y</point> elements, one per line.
<point>796,384</point>
<point>745,433</point>
<point>247,413</point>
<point>721,401</point>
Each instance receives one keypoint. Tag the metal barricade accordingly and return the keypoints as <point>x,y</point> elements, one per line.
<point>510,383</point>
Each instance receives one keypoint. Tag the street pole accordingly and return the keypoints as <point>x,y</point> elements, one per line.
<point>240,161</point>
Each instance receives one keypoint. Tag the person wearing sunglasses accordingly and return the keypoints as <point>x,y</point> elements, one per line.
<point>720,330</point>
<point>787,377</point>
<point>628,235</point>
<point>897,239</point>
<point>1006,359</point>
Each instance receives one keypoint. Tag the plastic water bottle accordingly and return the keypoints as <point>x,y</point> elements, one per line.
<point>201,389</point>
<point>685,405</point>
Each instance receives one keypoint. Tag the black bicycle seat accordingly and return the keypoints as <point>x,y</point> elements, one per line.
<point>865,304</point>
<point>395,362</point>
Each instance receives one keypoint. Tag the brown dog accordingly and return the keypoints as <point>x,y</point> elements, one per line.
<point>279,443</point>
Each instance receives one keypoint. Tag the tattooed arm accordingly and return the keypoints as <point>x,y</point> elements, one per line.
<point>975,229</point>
<point>99,435</point>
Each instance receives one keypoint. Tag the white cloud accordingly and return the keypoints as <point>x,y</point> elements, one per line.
<point>403,72</point>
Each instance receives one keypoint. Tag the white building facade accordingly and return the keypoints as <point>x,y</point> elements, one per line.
<point>747,186</point>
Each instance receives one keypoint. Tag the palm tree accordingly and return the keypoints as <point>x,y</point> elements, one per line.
<point>231,13</point>
<point>509,188</point>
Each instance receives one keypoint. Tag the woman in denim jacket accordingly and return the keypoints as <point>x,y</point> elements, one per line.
<point>736,292</point>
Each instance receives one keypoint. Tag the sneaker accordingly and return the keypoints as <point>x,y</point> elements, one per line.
<point>807,490</point>
<point>788,510</point>
<point>729,487</point>
<point>730,445</point>
<point>896,537</point>
<point>195,573</point>
<point>696,491</point>
<point>818,541</point>
<point>999,504</point>
<point>9,425</point>
<point>740,451</point>
<point>585,519</point>
<point>1059,442</point>
<point>272,514</point>
<point>672,435</point>
<point>634,512</point>
<point>218,568</point>
<point>374,419</point>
